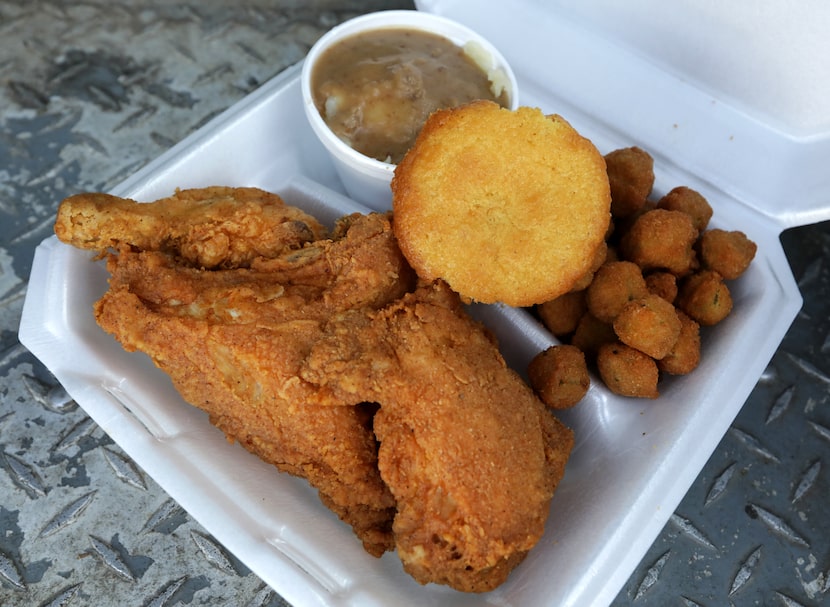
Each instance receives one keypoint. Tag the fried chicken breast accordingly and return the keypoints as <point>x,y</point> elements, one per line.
<point>469,452</point>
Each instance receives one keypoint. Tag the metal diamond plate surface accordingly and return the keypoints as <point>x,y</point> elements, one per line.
<point>90,91</point>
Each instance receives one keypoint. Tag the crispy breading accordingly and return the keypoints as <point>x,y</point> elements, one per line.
<point>561,315</point>
<point>631,176</point>
<point>627,371</point>
<point>727,252</point>
<point>685,355</point>
<point>649,324</point>
<point>233,342</point>
<point>559,375</point>
<point>470,453</point>
<point>208,227</point>
<point>705,297</point>
<point>663,284</point>
<point>324,359</point>
<point>591,333</point>
<point>662,240</point>
<point>689,201</point>
<point>615,284</point>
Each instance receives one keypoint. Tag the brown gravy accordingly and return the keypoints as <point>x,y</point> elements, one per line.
<point>376,89</point>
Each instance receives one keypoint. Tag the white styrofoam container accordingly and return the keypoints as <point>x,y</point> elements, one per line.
<point>634,459</point>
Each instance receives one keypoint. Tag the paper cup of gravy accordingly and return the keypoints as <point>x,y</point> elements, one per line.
<point>369,84</point>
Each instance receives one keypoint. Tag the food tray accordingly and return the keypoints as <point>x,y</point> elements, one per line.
<point>633,461</point>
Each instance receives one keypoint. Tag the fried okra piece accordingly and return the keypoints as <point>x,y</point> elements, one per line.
<point>727,253</point>
<point>684,357</point>
<point>615,284</point>
<point>559,375</point>
<point>591,333</point>
<point>688,201</point>
<point>705,297</point>
<point>663,284</point>
<point>631,177</point>
<point>599,258</point>
<point>628,372</point>
<point>661,240</point>
<point>561,315</point>
<point>649,325</point>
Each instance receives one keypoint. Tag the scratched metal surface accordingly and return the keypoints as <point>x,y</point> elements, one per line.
<point>93,90</point>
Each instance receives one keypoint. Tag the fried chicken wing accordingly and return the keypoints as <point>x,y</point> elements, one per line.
<point>470,454</point>
<point>208,227</point>
<point>233,342</point>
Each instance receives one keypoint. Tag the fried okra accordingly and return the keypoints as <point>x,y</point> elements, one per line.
<point>661,240</point>
<point>599,258</point>
<point>663,284</point>
<point>705,297</point>
<point>559,375</point>
<point>591,333</point>
<point>631,177</point>
<point>688,201</point>
<point>727,253</point>
<point>627,371</point>
<point>615,284</point>
<point>649,324</point>
<point>663,276</point>
<point>561,315</point>
<point>684,357</point>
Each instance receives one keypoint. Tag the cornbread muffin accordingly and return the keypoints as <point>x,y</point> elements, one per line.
<point>505,206</point>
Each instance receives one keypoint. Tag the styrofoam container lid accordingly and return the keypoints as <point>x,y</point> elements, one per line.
<point>738,91</point>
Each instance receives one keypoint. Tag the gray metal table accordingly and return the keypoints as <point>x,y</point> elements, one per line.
<point>90,92</point>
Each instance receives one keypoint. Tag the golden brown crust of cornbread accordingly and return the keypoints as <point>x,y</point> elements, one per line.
<point>505,206</point>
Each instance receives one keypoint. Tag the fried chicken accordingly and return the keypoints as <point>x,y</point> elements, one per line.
<point>208,227</point>
<point>470,454</point>
<point>233,341</point>
<point>327,358</point>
